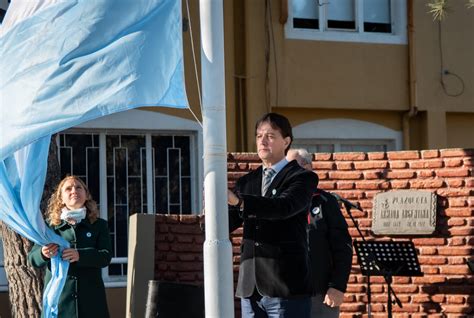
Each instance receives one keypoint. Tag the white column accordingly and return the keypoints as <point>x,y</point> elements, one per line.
<point>218,276</point>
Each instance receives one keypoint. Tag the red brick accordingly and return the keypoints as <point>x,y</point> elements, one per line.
<point>462,172</point>
<point>189,219</point>
<point>456,299</point>
<point>430,260</point>
<point>428,251</point>
<point>180,229</point>
<point>349,156</point>
<point>454,192</point>
<point>401,280</point>
<point>352,307</point>
<point>456,261</point>
<point>254,166</point>
<point>163,247</point>
<point>322,156</point>
<point>405,289</point>
<point>403,155</point>
<point>457,308</point>
<point>400,174</point>
<point>458,202</point>
<point>455,270</point>
<point>398,164</point>
<point>399,184</point>
<point>322,175</point>
<point>456,289</point>
<point>355,288</point>
<point>438,298</point>
<point>420,298</point>
<point>468,162</point>
<point>456,241</point>
<point>184,239</point>
<point>372,185</point>
<point>345,175</point>
<point>456,222</point>
<point>423,164</point>
<point>425,173</point>
<point>470,182</point>
<point>406,308</point>
<point>429,270</point>
<point>429,279</point>
<point>455,183</point>
<point>376,155</point>
<point>429,241</point>
<point>242,165</point>
<point>454,152</point>
<point>453,162</point>
<point>235,175</point>
<point>427,184</point>
<point>427,154</point>
<point>323,165</point>
<point>345,185</point>
<point>455,250</point>
<point>459,212</point>
<point>327,185</point>
<point>186,248</point>
<point>245,156</point>
<point>373,175</point>
<point>461,231</point>
<point>364,165</point>
<point>344,165</point>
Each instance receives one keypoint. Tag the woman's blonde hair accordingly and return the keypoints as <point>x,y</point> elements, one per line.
<point>55,203</point>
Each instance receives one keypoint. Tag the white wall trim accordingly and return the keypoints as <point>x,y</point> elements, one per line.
<point>142,120</point>
<point>346,129</point>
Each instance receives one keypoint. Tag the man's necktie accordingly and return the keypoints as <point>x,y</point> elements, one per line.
<point>268,174</point>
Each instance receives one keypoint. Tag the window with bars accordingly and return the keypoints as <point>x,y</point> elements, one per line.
<point>373,21</point>
<point>127,174</point>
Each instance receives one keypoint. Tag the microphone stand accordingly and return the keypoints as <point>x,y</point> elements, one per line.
<point>369,293</point>
<point>386,274</point>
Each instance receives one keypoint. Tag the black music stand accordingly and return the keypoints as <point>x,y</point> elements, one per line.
<point>387,259</point>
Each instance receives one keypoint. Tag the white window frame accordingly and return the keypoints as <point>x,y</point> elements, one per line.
<point>145,123</point>
<point>398,12</point>
<point>339,131</point>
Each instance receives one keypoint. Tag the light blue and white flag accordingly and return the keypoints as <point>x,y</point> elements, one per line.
<point>72,61</point>
<point>64,62</point>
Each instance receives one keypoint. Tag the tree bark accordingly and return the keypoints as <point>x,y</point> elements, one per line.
<point>25,283</point>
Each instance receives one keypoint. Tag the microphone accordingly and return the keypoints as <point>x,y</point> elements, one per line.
<point>347,203</point>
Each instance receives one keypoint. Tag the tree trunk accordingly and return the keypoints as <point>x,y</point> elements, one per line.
<point>25,283</point>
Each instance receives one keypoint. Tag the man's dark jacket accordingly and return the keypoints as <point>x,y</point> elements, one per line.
<point>274,251</point>
<point>330,244</point>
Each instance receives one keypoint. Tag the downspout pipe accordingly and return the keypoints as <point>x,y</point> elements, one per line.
<point>413,110</point>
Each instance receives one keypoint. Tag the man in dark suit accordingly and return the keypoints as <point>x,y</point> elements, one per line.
<point>330,247</point>
<point>273,202</point>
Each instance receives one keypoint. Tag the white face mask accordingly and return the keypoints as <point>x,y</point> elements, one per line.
<point>73,216</point>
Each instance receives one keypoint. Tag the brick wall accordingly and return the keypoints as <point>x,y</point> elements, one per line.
<point>447,287</point>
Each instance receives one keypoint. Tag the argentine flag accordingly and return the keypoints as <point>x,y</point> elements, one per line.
<point>64,62</point>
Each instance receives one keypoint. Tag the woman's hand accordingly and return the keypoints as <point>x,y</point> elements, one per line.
<point>50,250</point>
<point>71,255</point>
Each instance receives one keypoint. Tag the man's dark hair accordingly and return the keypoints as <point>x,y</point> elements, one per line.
<point>278,122</point>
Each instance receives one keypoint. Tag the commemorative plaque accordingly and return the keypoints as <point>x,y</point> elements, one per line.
<point>404,212</point>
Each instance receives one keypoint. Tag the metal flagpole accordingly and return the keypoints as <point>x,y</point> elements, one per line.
<point>218,274</point>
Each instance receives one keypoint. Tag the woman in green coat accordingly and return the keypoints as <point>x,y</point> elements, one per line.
<point>73,215</point>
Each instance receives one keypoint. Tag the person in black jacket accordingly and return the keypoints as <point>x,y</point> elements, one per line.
<point>330,247</point>
<point>272,203</point>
